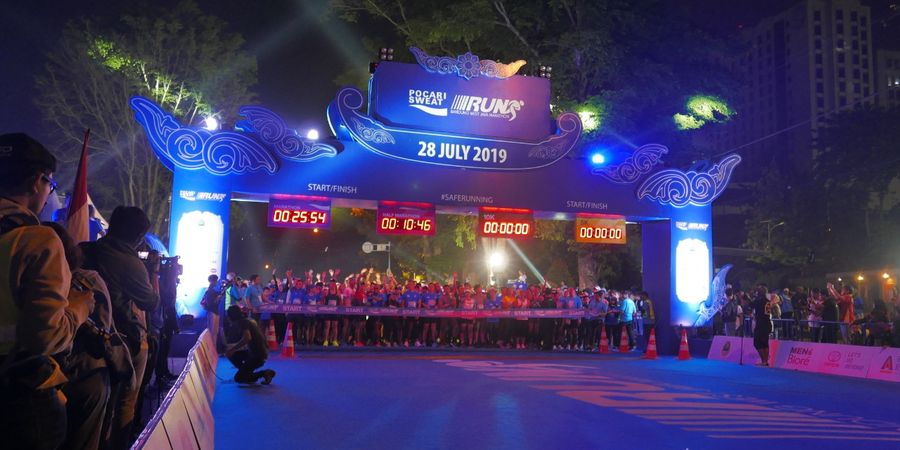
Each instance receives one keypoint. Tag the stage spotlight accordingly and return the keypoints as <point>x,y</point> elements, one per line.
<point>312,134</point>
<point>598,159</point>
<point>211,123</point>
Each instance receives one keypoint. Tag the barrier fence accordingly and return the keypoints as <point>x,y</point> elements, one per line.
<point>877,333</point>
<point>184,419</point>
<point>880,363</point>
<point>280,308</point>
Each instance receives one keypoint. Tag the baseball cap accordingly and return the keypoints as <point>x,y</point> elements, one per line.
<point>20,151</point>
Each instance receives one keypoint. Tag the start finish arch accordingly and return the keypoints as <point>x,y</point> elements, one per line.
<point>445,133</point>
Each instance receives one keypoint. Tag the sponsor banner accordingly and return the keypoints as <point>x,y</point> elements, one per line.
<point>729,348</point>
<point>517,107</point>
<point>846,360</point>
<point>885,365</point>
<point>798,356</point>
<point>414,312</point>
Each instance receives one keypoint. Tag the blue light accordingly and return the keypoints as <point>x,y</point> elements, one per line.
<point>598,159</point>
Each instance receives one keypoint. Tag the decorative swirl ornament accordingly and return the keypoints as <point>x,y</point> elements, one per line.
<point>677,188</point>
<point>706,312</point>
<point>635,166</point>
<point>221,153</point>
<point>272,130</point>
<point>467,65</point>
<point>372,135</point>
<point>553,149</point>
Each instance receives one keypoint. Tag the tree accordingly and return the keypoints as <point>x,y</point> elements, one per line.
<point>842,216</point>
<point>631,64</point>
<point>183,59</point>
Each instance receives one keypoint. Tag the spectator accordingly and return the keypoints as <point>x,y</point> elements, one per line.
<point>845,309</point>
<point>249,351</point>
<point>731,313</point>
<point>253,297</point>
<point>762,314</point>
<point>38,314</point>
<point>830,314</point>
<point>134,291</point>
<point>627,318</point>
<point>210,304</point>
<point>787,314</point>
<point>87,391</point>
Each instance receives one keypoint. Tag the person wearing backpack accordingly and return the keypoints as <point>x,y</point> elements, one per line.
<point>730,313</point>
<point>38,316</point>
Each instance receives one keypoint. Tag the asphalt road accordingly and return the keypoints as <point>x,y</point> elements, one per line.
<point>419,399</point>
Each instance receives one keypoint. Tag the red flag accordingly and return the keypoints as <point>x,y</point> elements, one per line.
<point>77,220</point>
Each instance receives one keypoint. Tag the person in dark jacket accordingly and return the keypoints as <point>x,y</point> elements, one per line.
<point>249,352</point>
<point>134,291</point>
<point>830,313</point>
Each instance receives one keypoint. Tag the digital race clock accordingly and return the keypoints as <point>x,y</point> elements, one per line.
<point>594,229</point>
<point>405,218</point>
<point>505,222</point>
<point>299,212</point>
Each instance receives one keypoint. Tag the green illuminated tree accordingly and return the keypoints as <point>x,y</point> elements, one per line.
<point>630,65</point>
<point>183,59</point>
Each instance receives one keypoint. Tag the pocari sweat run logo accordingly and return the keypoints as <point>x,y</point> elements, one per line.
<point>432,102</point>
<point>429,102</point>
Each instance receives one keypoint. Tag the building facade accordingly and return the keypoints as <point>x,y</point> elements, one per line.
<point>888,78</point>
<point>799,67</point>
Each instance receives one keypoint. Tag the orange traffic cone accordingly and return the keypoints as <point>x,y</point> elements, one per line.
<point>287,350</point>
<point>623,342</point>
<point>683,352</point>
<point>604,342</point>
<point>271,341</point>
<point>651,346</point>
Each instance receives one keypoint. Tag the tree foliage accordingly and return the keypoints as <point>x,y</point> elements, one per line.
<point>185,60</point>
<point>843,215</point>
<point>633,63</point>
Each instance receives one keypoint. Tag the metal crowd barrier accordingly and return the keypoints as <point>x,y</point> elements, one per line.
<point>811,330</point>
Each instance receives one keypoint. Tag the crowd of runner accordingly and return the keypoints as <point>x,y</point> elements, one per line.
<point>614,311</point>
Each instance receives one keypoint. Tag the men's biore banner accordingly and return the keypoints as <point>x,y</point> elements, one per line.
<point>834,359</point>
<point>426,313</point>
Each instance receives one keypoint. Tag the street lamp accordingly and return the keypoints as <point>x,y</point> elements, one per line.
<point>769,228</point>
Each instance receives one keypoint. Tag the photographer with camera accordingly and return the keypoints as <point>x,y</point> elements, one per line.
<point>98,355</point>
<point>133,291</point>
<point>38,316</point>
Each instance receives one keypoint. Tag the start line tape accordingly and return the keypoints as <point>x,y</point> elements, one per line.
<point>280,308</point>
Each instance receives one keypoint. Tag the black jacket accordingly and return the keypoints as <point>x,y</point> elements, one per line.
<point>128,283</point>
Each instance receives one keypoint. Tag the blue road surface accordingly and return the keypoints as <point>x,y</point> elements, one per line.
<point>524,400</point>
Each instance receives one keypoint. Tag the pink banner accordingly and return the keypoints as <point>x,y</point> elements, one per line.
<point>729,348</point>
<point>885,365</point>
<point>833,359</point>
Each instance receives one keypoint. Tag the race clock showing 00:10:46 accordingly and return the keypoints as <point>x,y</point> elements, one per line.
<point>416,219</point>
<point>299,212</point>
<point>505,222</point>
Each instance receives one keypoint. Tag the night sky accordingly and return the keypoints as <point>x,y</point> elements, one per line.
<point>299,51</point>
